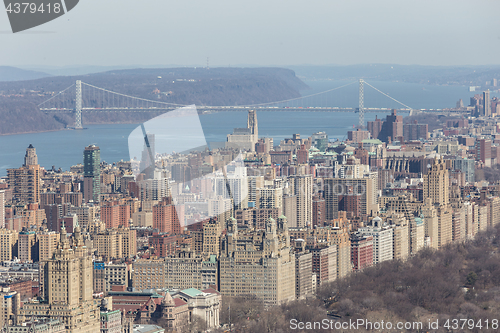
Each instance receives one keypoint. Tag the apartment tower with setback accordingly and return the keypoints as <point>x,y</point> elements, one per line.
<point>25,181</point>
<point>66,287</point>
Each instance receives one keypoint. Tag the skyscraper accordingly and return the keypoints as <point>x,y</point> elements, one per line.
<point>303,189</point>
<point>147,164</point>
<point>266,269</point>
<point>9,307</point>
<point>166,218</point>
<point>30,158</point>
<point>486,103</point>
<point>392,127</point>
<point>25,181</point>
<point>436,183</point>
<point>91,173</point>
<point>9,241</point>
<point>66,288</point>
<point>320,140</point>
<point>253,125</point>
<point>483,151</point>
<point>26,246</point>
<point>2,209</point>
<point>245,138</point>
<point>365,188</point>
<point>437,212</point>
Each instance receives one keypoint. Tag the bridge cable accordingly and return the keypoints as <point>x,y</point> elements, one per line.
<point>132,97</point>
<point>56,95</point>
<point>297,98</point>
<point>383,93</point>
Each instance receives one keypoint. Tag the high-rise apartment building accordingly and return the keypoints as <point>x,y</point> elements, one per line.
<point>324,263</point>
<point>431,219</point>
<point>30,158</point>
<point>129,241</point>
<point>266,269</point>
<point>2,209</point>
<point>270,198</point>
<point>401,233</point>
<point>392,127</point>
<point>486,103</point>
<point>86,214</point>
<point>254,183</point>
<point>9,307</point>
<point>483,151</point>
<point>467,167</point>
<point>382,239</point>
<point>341,238</point>
<point>92,173</point>
<point>184,270</point>
<point>109,244</point>
<point>107,275</point>
<point>8,244</point>
<point>220,207</point>
<point>166,217</point>
<point>388,130</point>
<point>153,189</point>
<point>320,140</point>
<point>115,214</point>
<point>358,135</point>
<point>374,127</point>
<point>245,138</point>
<point>26,245</point>
<point>66,288</point>
<point>319,211</point>
<point>365,188</point>
<point>302,155</point>
<point>361,251</point>
<point>25,181</point>
<point>436,183</point>
<point>234,186</point>
<point>303,272</point>
<point>47,244</point>
<point>303,190</point>
<point>253,125</point>
<point>415,131</point>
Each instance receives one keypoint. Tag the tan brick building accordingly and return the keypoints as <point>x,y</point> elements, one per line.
<point>259,263</point>
<point>66,288</point>
<point>8,244</point>
<point>47,244</point>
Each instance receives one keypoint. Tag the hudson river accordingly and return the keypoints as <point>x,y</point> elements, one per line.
<point>63,149</point>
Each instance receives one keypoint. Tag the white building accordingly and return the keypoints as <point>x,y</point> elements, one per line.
<point>382,239</point>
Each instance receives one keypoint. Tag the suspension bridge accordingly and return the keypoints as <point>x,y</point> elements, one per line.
<point>83,97</point>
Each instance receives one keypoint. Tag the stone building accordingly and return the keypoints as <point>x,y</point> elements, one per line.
<point>258,262</point>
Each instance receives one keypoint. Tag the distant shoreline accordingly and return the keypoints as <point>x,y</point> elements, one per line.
<point>35,132</point>
<point>65,129</point>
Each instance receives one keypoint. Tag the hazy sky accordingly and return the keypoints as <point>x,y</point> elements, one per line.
<point>260,32</point>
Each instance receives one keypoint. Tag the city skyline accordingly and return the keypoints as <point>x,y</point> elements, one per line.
<point>273,187</point>
<point>162,251</point>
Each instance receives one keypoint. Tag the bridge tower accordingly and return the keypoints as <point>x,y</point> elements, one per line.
<point>78,105</point>
<point>361,107</point>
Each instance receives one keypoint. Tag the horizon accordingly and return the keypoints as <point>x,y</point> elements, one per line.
<point>299,70</point>
<point>260,33</point>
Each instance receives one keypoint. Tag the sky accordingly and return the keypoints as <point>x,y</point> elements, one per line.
<point>260,33</point>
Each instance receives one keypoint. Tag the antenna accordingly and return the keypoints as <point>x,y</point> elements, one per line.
<point>208,67</point>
